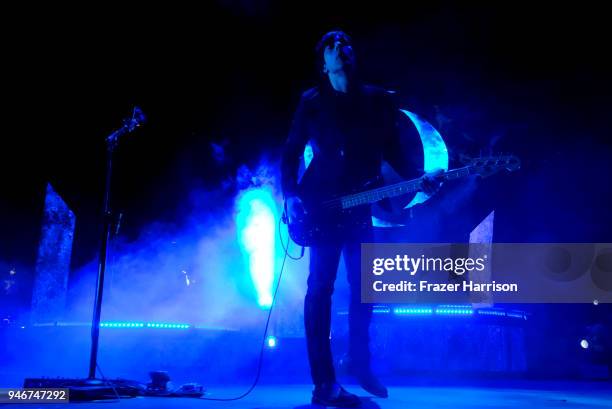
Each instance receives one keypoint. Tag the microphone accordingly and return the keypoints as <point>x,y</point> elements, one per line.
<point>138,117</point>
<point>129,125</point>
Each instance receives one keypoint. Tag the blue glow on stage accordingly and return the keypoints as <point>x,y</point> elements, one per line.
<point>122,325</point>
<point>256,227</point>
<point>114,324</point>
<point>454,311</point>
<point>448,310</point>
<point>459,309</point>
<point>164,325</point>
<point>492,313</point>
<point>271,342</point>
<point>413,311</point>
<point>517,315</point>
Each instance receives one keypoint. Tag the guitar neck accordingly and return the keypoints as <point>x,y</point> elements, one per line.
<point>394,190</point>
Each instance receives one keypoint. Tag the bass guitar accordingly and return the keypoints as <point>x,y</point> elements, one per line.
<point>322,216</point>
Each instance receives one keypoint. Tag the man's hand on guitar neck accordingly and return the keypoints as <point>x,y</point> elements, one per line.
<point>431,181</point>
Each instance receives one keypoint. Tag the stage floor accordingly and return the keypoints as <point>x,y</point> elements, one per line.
<point>515,394</point>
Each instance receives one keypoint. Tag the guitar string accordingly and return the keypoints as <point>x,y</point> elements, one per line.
<point>380,193</point>
<point>409,186</point>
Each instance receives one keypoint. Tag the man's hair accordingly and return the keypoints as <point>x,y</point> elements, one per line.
<point>329,39</point>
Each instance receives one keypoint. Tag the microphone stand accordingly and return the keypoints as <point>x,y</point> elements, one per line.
<point>92,388</point>
<point>112,141</point>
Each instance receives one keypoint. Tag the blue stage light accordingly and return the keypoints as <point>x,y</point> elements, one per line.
<point>159,325</point>
<point>271,342</point>
<point>412,311</point>
<point>517,315</point>
<point>256,228</point>
<point>454,311</point>
<point>584,344</point>
<point>492,312</point>
<point>112,324</point>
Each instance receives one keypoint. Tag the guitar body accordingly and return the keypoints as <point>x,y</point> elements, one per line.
<point>306,231</point>
<point>317,224</point>
<point>324,218</point>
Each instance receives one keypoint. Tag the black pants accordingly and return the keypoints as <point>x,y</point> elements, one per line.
<point>324,260</point>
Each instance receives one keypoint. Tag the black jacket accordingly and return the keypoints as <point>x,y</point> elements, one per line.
<point>350,134</point>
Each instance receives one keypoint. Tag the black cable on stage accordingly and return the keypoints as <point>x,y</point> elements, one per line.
<point>263,341</point>
<point>107,383</point>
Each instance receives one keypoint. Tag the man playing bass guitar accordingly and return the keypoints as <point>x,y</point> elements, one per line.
<point>352,128</point>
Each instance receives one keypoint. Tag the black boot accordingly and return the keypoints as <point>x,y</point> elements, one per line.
<point>371,384</point>
<point>333,394</point>
<point>366,379</point>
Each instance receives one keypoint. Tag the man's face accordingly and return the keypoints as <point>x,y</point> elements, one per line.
<point>338,56</point>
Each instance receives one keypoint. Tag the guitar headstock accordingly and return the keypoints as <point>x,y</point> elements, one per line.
<point>488,165</point>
